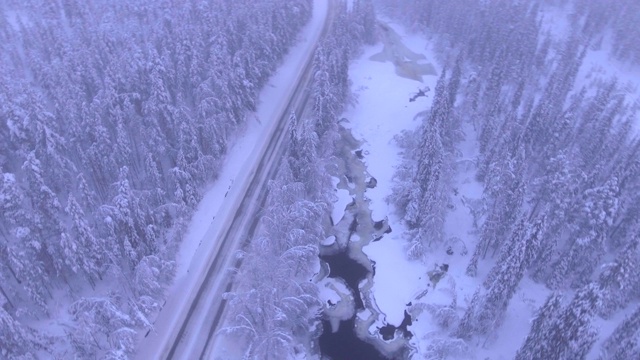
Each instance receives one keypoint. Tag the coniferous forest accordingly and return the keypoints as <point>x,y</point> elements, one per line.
<point>559,162</point>
<point>116,116</point>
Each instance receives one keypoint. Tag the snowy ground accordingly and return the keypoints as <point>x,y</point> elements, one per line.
<point>200,240</point>
<point>343,198</point>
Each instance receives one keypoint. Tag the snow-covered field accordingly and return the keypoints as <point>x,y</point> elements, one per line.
<point>200,239</point>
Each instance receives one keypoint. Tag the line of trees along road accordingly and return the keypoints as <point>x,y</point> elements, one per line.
<point>114,116</point>
<point>559,163</point>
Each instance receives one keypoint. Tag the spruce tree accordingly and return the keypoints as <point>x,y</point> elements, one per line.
<point>537,342</point>
<point>623,342</point>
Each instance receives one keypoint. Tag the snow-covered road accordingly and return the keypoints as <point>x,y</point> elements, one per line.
<point>193,306</point>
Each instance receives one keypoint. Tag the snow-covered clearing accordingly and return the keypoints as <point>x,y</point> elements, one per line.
<point>200,240</point>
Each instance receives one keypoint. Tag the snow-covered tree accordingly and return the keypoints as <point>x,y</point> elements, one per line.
<point>524,234</point>
<point>97,320</point>
<point>620,278</point>
<point>18,341</point>
<point>538,341</point>
<point>324,100</point>
<point>303,157</point>
<point>599,206</point>
<point>45,224</point>
<point>365,19</point>
<point>572,334</point>
<point>485,313</point>
<point>506,197</point>
<point>454,81</point>
<point>86,251</point>
<point>563,333</point>
<point>623,342</point>
<point>152,274</point>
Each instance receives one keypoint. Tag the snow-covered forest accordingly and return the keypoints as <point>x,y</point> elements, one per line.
<point>275,307</point>
<point>558,161</point>
<point>115,115</point>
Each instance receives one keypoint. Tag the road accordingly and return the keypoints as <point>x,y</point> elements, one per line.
<point>195,331</point>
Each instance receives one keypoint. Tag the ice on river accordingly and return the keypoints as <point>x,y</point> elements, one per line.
<point>343,198</point>
<point>337,299</point>
<point>383,91</point>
